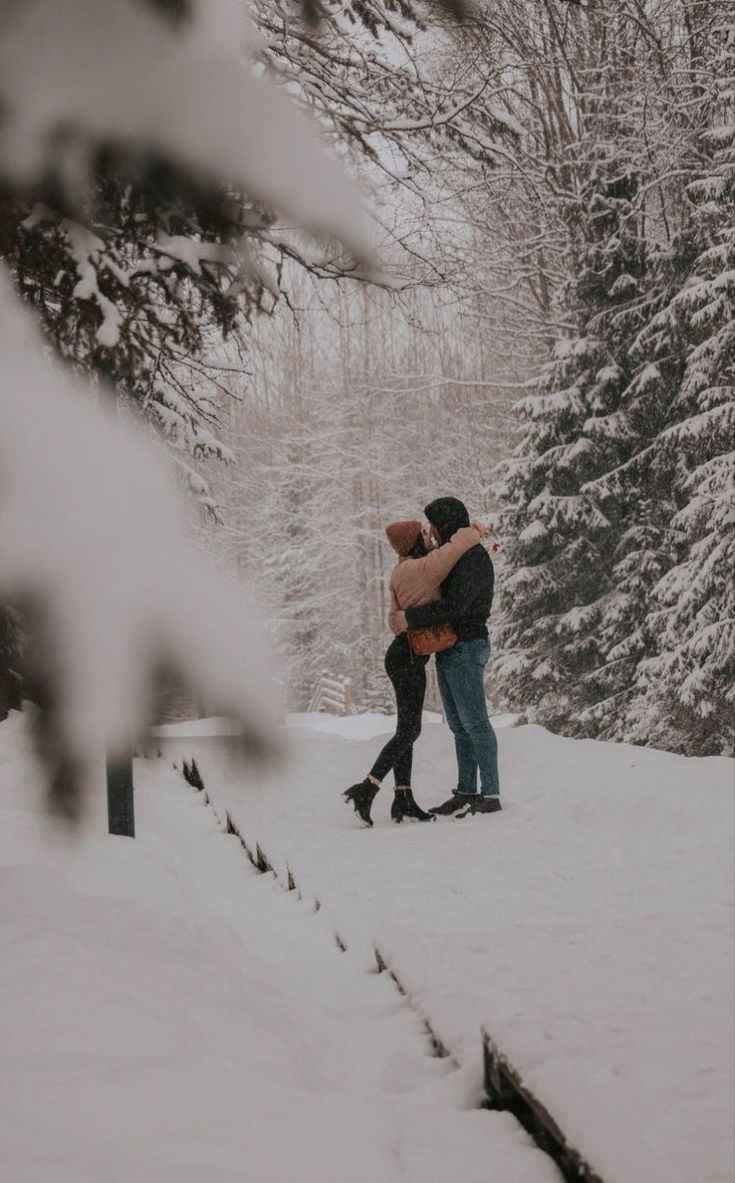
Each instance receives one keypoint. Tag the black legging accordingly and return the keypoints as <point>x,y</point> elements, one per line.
<point>407,672</point>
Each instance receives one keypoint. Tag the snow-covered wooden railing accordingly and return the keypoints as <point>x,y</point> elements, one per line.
<point>505,1089</point>
<point>333,694</point>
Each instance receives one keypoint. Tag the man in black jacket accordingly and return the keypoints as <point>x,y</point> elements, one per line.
<point>467,595</point>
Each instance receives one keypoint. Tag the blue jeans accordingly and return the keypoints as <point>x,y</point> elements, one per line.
<point>461,676</point>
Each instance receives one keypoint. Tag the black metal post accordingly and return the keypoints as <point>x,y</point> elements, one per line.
<point>4,665</point>
<point>11,682</point>
<point>120,810</point>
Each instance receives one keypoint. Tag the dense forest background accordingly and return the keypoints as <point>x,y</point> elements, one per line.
<point>588,259</point>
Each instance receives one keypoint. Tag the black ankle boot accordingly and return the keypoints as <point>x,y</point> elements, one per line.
<point>484,804</point>
<point>455,802</point>
<point>362,796</point>
<point>405,806</point>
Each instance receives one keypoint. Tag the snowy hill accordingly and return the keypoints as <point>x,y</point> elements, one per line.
<point>168,1014</point>
<point>587,928</point>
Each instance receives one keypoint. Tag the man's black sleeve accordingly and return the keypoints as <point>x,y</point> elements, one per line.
<point>459,595</point>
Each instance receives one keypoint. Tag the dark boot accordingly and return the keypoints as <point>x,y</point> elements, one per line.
<point>482,805</point>
<point>362,796</point>
<point>455,802</point>
<point>405,806</point>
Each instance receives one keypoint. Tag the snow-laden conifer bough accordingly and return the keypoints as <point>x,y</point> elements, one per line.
<point>90,538</point>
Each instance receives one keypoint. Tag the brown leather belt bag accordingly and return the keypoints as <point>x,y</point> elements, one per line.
<point>433,638</point>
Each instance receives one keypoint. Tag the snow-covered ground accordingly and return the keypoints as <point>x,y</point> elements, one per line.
<point>167,1015</point>
<point>587,928</point>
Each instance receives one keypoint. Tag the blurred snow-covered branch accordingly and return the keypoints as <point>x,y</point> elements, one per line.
<point>93,546</point>
<point>91,542</point>
<point>84,77</point>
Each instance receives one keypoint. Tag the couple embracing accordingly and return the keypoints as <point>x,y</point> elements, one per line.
<point>441,592</point>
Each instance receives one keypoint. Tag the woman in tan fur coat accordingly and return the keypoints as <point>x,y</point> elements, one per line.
<point>415,580</point>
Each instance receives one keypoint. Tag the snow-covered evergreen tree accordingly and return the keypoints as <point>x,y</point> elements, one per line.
<point>618,607</point>
<point>686,691</point>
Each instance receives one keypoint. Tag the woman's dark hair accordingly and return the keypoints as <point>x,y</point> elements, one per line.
<point>419,548</point>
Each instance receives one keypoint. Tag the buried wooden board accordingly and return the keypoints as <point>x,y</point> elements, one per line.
<point>506,1089</point>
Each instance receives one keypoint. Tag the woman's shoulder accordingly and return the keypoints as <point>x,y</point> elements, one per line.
<point>403,570</point>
